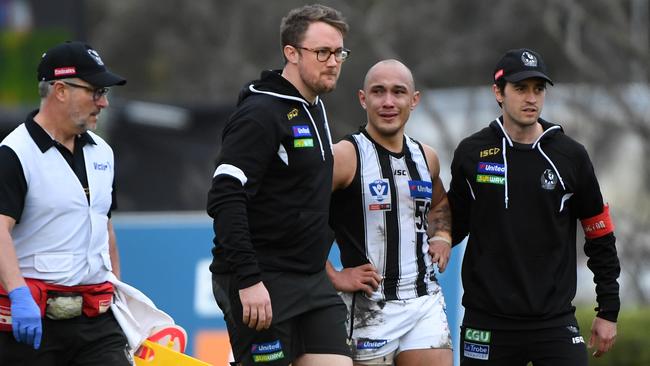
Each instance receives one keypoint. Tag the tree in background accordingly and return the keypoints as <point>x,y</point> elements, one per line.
<point>200,51</point>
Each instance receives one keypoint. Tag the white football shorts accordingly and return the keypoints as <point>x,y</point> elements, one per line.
<point>385,328</point>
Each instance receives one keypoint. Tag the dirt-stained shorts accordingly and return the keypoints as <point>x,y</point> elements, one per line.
<point>386,328</point>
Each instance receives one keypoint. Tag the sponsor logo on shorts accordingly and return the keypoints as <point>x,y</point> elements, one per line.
<point>301,131</point>
<point>371,343</point>
<point>573,329</point>
<point>299,143</point>
<point>491,168</point>
<point>267,352</point>
<point>420,189</point>
<point>577,340</point>
<point>264,348</point>
<point>476,351</point>
<point>476,335</point>
<point>491,179</point>
<point>268,357</point>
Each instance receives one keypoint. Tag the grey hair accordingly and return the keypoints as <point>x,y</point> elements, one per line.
<point>44,88</point>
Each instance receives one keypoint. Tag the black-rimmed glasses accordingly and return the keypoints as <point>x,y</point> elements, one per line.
<point>98,93</point>
<point>324,54</point>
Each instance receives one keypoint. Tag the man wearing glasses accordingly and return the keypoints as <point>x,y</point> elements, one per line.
<point>56,238</point>
<point>270,202</point>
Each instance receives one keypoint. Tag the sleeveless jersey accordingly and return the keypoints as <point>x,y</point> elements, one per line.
<point>380,218</point>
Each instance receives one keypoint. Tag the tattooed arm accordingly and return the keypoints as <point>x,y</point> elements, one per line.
<point>439,217</point>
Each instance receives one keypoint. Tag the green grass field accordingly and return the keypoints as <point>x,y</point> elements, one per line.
<point>632,346</point>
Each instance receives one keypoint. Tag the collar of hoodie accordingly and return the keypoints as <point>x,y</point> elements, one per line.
<point>305,106</point>
<point>506,142</point>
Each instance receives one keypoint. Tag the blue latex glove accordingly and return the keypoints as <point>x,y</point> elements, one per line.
<point>26,317</point>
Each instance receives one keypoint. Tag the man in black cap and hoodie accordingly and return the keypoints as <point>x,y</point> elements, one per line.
<point>518,189</point>
<point>270,203</point>
<point>56,238</point>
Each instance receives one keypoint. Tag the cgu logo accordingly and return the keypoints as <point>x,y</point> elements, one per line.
<point>482,336</point>
<point>489,152</point>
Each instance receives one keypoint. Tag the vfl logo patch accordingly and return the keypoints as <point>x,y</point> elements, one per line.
<point>491,168</point>
<point>420,189</point>
<point>491,179</point>
<point>379,189</point>
<point>301,131</point>
<point>476,351</point>
<point>371,343</point>
<point>300,143</point>
<point>489,152</point>
<point>292,113</point>
<point>380,193</point>
<point>548,179</point>
<point>476,335</point>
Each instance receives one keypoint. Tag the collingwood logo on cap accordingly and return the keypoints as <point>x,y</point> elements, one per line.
<point>529,59</point>
<point>95,56</point>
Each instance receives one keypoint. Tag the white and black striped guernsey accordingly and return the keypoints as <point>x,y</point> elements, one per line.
<point>380,218</point>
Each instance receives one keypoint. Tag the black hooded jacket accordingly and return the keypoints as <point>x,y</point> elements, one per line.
<point>520,205</point>
<point>271,188</point>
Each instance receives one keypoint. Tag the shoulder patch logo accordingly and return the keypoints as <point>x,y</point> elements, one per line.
<point>379,189</point>
<point>292,113</point>
<point>379,199</point>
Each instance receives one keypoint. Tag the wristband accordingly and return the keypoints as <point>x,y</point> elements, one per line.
<point>441,238</point>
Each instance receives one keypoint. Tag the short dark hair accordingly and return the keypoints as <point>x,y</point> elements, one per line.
<point>295,24</point>
<point>501,85</point>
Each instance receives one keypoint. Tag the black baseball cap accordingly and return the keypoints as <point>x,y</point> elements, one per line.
<point>520,64</point>
<point>73,59</point>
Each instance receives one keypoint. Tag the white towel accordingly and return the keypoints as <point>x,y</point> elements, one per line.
<point>136,313</point>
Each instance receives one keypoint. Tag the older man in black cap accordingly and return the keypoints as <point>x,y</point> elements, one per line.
<point>56,237</point>
<point>518,189</point>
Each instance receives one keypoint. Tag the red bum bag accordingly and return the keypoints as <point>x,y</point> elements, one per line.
<point>97,298</point>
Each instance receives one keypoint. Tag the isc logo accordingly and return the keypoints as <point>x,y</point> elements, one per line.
<point>577,340</point>
<point>489,152</point>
